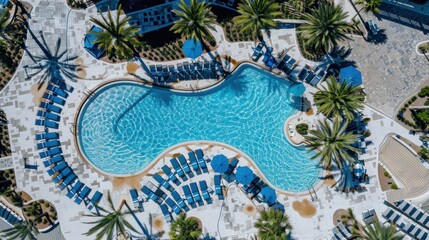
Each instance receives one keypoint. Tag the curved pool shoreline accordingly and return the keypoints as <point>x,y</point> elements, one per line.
<point>201,93</point>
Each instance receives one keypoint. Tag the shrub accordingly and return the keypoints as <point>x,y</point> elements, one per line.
<point>367,133</point>
<point>394,186</point>
<point>366,120</point>
<point>414,98</point>
<point>302,128</point>
<point>406,105</point>
<point>386,174</point>
<point>424,153</point>
<point>424,92</point>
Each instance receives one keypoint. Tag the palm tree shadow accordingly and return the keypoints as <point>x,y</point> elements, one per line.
<point>52,65</point>
<point>340,52</point>
<point>208,237</point>
<point>379,38</point>
<point>163,96</point>
<point>275,85</point>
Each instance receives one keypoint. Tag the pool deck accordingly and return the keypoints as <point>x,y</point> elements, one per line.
<point>233,222</point>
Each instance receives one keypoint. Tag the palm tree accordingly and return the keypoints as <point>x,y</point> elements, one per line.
<point>22,230</point>
<point>185,228</point>
<point>117,39</point>
<point>369,5</point>
<point>379,231</point>
<point>331,143</point>
<point>4,33</point>
<point>339,99</point>
<point>195,21</point>
<point>54,65</point>
<point>257,15</point>
<point>325,27</point>
<point>110,222</point>
<point>273,225</point>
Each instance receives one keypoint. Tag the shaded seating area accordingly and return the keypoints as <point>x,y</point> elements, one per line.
<point>89,43</point>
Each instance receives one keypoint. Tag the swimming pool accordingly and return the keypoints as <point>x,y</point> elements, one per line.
<point>124,126</point>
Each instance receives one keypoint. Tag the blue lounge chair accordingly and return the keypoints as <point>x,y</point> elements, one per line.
<point>173,206</point>
<point>185,166</point>
<point>67,181</point>
<point>188,194</point>
<point>47,136</point>
<point>201,161</point>
<point>218,187</point>
<point>194,162</point>
<point>151,194</point>
<point>48,144</point>
<point>178,169</point>
<point>76,188</point>
<point>54,99</point>
<point>179,200</point>
<point>58,91</point>
<point>165,212</point>
<point>204,191</point>
<point>51,152</point>
<point>232,165</point>
<point>171,176</point>
<point>48,115</point>
<point>47,123</point>
<point>257,52</point>
<point>95,199</point>
<point>50,107</point>
<point>62,84</point>
<point>195,193</point>
<point>60,166</point>
<point>82,195</point>
<point>162,182</point>
<point>134,197</point>
<point>54,160</point>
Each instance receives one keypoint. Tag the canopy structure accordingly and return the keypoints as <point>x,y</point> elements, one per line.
<point>192,48</point>
<point>351,75</point>
<point>89,42</point>
<point>220,163</point>
<point>244,175</point>
<point>358,170</point>
<point>269,195</point>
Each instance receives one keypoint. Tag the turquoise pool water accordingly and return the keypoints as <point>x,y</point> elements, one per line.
<point>124,126</point>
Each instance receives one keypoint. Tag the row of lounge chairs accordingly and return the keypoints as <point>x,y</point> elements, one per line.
<point>193,196</point>
<point>51,153</point>
<point>413,228</point>
<point>414,213</point>
<point>8,215</point>
<point>312,77</point>
<point>341,232</point>
<point>186,71</point>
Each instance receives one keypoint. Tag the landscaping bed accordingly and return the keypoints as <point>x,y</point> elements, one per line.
<point>5,149</point>
<point>386,181</point>
<point>423,48</point>
<point>42,212</point>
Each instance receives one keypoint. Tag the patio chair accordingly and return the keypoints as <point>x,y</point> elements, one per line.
<point>218,187</point>
<point>49,115</point>
<point>50,107</point>
<point>151,195</point>
<point>309,77</point>
<point>178,169</point>
<point>46,123</point>
<point>76,188</point>
<point>196,193</point>
<point>162,182</point>
<point>47,136</point>
<point>303,74</point>
<point>171,176</point>
<point>317,78</point>
<point>204,191</point>
<point>194,163</point>
<point>257,52</point>
<point>57,91</point>
<point>185,166</point>
<point>56,159</point>
<point>134,197</point>
<point>179,200</point>
<point>188,195</point>
<point>201,161</point>
<point>54,99</point>
<point>176,209</point>
<point>96,199</point>
<point>232,165</point>
<point>67,181</point>
<point>165,212</point>
<point>48,144</point>
<point>51,152</point>
<point>60,166</point>
<point>82,195</point>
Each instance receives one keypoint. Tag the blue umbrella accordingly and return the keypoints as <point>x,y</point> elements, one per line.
<point>279,206</point>
<point>297,89</point>
<point>220,163</point>
<point>192,48</point>
<point>244,175</point>
<point>351,75</point>
<point>269,195</point>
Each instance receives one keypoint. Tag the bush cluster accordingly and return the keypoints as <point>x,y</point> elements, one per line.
<point>302,128</point>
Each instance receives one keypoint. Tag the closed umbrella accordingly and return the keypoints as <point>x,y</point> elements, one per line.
<point>244,175</point>
<point>192,48</point>
<point>220,163</point>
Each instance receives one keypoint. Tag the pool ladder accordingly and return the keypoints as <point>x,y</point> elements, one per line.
<point>312,193</point>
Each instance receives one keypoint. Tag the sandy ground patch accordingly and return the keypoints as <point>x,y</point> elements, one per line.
<point>305,208</point>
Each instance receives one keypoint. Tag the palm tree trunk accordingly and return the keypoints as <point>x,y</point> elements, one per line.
<point>142,63</point>
<point>145,232</point>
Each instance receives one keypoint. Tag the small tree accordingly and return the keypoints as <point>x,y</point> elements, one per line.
<point>185,228</point>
